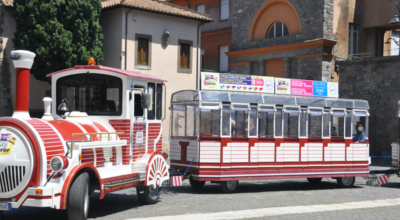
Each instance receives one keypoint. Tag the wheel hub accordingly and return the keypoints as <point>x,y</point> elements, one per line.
<point>347,180</point>
<point>231,185</point>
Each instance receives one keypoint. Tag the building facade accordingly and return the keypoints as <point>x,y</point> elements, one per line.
<point>369,70</point>
<point>283,38</point>
<point>216,37</point>
<point>155,38</point>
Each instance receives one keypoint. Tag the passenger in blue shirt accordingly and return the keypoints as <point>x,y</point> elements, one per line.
<point>360,136</point>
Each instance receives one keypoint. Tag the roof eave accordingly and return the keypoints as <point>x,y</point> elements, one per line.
<point>156,12</point>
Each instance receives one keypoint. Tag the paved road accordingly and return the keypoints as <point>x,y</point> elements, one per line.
<point>251,195</point>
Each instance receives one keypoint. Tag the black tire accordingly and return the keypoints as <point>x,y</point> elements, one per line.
<point>78,198</point>
<point>314,180</point>
<point>346,182</point>
<point>230,186</point>
<point>196,184</point>
<point>149,196</point>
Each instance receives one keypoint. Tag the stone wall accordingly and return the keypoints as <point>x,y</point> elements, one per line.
<point>316,19</point>
<point>319,68</point>
<point>376,80</point>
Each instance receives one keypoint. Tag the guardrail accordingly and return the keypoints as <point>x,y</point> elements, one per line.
<point>91,137</point>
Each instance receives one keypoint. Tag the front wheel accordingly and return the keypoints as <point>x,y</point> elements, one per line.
<point>230,186</point>
<point>346,182</point>
<point>150,195</point>
<point>78,198</point>
<point>196,184</point>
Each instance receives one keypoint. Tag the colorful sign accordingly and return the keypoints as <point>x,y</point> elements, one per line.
<point>263,84</point>
<point>320,89</point>
<point>239,83</point>
<point>282,86</point>
<point>7,143</point>
<point>333,89</point>
<point>301,87</point>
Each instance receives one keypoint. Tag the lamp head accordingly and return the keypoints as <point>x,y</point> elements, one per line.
<point>395,20</point>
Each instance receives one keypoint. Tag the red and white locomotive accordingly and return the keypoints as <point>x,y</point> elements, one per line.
<point>102,132</point>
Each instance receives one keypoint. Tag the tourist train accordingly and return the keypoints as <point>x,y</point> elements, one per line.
<point>227,136</point>
<point>102,130</point>
<point>85,140</point>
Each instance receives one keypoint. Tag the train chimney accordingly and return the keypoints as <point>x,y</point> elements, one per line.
<point>23,61</point>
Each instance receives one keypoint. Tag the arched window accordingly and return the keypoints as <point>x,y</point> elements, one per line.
<point>279,29</point>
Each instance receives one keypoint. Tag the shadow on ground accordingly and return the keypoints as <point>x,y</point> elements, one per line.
<point>252,187</point>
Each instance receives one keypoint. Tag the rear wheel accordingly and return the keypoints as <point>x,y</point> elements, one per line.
<point>314,180</point>
<point>78,198</point>
<point>196,184</point>
<point>230,186</point>
<point>150,195</point>
<point>346,182</point>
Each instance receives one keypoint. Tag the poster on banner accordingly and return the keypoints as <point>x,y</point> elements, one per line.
<point>320,89</point>
<point>235,82</point>
<point>333,89</point>
<point>282,86</point>
<point>301,87</point>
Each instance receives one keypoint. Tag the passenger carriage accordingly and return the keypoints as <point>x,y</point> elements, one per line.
<point>229,136</point>
<point>102,132</point>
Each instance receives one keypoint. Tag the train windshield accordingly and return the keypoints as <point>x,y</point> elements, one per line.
<point>94,94</point>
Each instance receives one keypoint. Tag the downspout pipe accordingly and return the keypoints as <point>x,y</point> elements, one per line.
<point>126,38</point>
<point>197,54</point>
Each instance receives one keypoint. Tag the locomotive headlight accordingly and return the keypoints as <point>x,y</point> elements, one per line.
<point>58,164</point>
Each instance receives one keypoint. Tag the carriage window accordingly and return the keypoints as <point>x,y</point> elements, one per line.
<point>178,120</point>
<point>210,120</point>
<point>303,122</point>
<point>337,128</point>
<point>95,94</point>
<point>348,127</point>
<point>159,101</point>
<point>291,123</point>
<point>315,123</point>
<point>360,116</point>
<point>239,121</point>
<point>139,90</point>
<point>151,111</point>
<point>253,122</point>
<point>278,122</point>
<point>226,120</point>
<point>326,123</point>
<point>190,121</point>
<point>266,123</point>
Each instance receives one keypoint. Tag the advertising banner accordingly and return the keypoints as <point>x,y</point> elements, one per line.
<point>239,83</point>
<point>306,87</point>
<point>282,86</point>
<point>320,89</point>
<point>301,87</point>
<point>264,84</point>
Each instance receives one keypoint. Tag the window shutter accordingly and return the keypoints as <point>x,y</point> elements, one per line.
<point>224,9</point>
<point>223,58</point>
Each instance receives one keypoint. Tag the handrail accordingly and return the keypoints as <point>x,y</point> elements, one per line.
<point>165,102</point>
<point>91,137</point>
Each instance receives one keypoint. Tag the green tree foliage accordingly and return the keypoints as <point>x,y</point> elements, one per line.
<point>62,33</point>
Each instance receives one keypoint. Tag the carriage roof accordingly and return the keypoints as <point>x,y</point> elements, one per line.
<point>130,73</point>
<point>267,99</point>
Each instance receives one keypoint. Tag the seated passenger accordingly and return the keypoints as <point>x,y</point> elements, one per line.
<point>252,128</point>
<point>333,131</point>
<point>360,136</point>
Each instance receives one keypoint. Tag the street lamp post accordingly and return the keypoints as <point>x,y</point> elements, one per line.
<point>395,21</point>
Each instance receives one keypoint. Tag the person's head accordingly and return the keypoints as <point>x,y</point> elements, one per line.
<point>360,126</point>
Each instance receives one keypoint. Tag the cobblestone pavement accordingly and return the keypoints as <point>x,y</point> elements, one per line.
<point>251,195</point>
